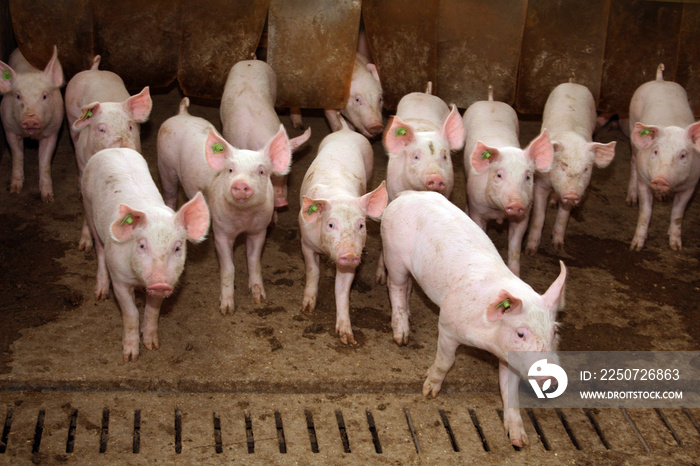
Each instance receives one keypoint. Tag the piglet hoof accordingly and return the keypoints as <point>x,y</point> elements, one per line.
<point>47,198</point>
<point>85,245</point>
<point>309,305</point>
<point>259,293</point>
<point>631,200</point>
<point>130,352</point>
<point>531,251</point>
<point>431,388</point>
<point>150,340</point>
<point>401,339</point>
<point>558,246</point>
<point>675,243</point>
<point>347,339</point>
<point>637,244</point>
<point>344,331</point>
<point>380,276</point>
<point>101,293</point>
<point>515,430</point>
<point>226,308</point>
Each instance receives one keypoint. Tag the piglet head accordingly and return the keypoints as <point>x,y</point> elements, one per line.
<point>158,241</point>
<point>524,322</point>
<point>342,223</point>
<point>364,106</point>
<point>665,155</point>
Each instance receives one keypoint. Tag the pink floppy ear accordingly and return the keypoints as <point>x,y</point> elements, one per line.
<point>603,154</point>
<point>139,105</point>
<point>453,129</point>
<point>87,113</point>
<point>216,150</point>
<point>643,135</point>
<point>53,70</point>
<point>7,77</point>
<point>279,152</point>
<point>375,202</point>
<point>694,134</point>
<point>541,152</point>
<point>398,136</point>
<point>194,216</point>
<point>483,156</point>
<point>372,68</point>
<point>311,209</point>
<point>126,222</point>
<point>504,303</point>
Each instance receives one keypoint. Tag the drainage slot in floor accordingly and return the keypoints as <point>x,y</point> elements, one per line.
<point>477,426</point>
<point>104,433</point>
<point>218,444</point>
<point>343,431</point>
<point>685,410</point>
<point>538,429</point>
<point>594,422</point>
<point>662,416</point>
<point>312,430</point>
<point>373,431</point>
<point>136,447</point>
<point>634,428</point>
<point>280,432</point>
<point>70,443</point>
<point>249,433</point>
<point>448,429</point>
<point>411,429</point>
<point>178,431</point>
<point>6,430</point>
<point>567,428</point>
<point>38,431</point>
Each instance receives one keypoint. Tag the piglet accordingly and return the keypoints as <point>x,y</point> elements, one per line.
<point>140,242</point>
<point>32,107</point>
<point>500,175</point>
<point>236,183</point>
<point>483,304</point>
<point>248,114</point>
<point>419,140</point>
<point>332,217</point>
<point>665,160</point>
<point>102,115</point>
<point>570,119</point>
<point>363,109</point>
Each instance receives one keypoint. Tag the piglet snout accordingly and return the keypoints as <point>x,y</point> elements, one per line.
<point>435,183</point>
<point>515,209</point>
<point>375,129</point>
<point>571,198</point>
<point>660,185</point>
<point>31,123</point>
<point>349,260</point>
<point>160,289</point>
<point>241,190</point>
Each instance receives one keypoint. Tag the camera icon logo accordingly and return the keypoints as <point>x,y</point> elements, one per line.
<point>542,370</point>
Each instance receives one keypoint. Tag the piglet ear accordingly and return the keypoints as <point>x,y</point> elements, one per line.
<point>453,129</point>
<point>397,136</point>
<point>126,222</point>
<point>299,140</point>
<point>554,297</point>
<point>694,134</point>
<point>87,113</point>
<point>194,216</point>
<point>216,150</point>
<point>504,303</point>
<point>372,68</point>
<point>279,151</point>
<point>375,202</point>
<point>139,105</point>
<point>541,152</point>
<point>643,135</point>
<point>483,156</point>
<point>603,154</point>
<point>53,71</point>
<point>311,209</point>
<point>7,77</point>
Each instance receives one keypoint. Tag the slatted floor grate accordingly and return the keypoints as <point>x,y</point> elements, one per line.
<point>317,428</point>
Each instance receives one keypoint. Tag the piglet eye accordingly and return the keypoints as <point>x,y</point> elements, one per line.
<point>230,170</point>
<point>416,156</point>
<point>330,225</point>
<point>683,154</point>
<point>521,335</point>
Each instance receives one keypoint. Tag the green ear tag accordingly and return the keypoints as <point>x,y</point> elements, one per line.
<point>217,147</point>
<point>128,219</point>
<point>313,208</point>
<point>400,132</point>
<point>6,75</point>
<point>505,304</point>
<point>645,132</point>
<point>485,156</point>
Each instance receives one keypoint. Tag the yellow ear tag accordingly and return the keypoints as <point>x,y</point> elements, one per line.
<point>87,115</point>
<point>400,132</point>
<point>217,147</point>
<point>485,156</point>
<point>6,75</point>
<point>128,219</point>
<point>313,208</point>
<point>645,132</point>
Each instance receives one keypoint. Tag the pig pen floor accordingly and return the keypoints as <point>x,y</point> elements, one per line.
<point>253,376</point>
